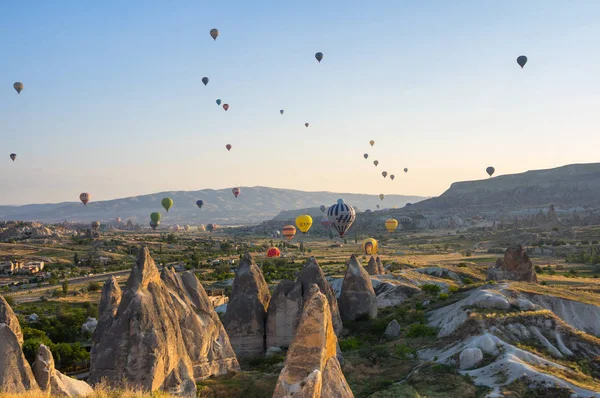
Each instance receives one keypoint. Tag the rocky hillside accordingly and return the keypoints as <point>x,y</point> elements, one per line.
<point>254,204</point>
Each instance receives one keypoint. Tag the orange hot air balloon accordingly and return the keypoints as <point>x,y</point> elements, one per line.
<point>225,106</point>
<point>236,191</point>
<point>228,146</point>
<point>273,252</point>
<point>289,231</point>
<point>85,198</point>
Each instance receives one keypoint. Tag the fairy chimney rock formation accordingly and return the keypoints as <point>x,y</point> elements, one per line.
<point>285,309</point>
<point>372,266</point>
<point>8,317</point>
<point>52,381</point>
<point>516,266</point>
<point>109,304</point>
<point>311,368</point>
<point>247,309</point>
<point>380,268</point>
<point>357,298</point>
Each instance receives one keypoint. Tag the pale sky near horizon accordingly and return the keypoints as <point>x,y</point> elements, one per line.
<point>114,104</point>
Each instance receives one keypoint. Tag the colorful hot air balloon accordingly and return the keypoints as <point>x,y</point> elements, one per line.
<point>381,196</point>
<point>19,87</point>
<point>201,228</point>
<point>392,177</point>
<point>384,174</point>
<point>13,156</point>
<point>95,225</point>
<point>186,228</point>
<point>305,124</point>
<point>319,56</point>
<point>391,224</point>
<point>341,216</point>
<point>205,80</point>
<point>225,106</point>
<point>236,191</point>
<point>325,221</point>
<point>199,203</point>
<point>281,111</point>
<point>371,142</point>
<point>376,162</point>
<point>323,208</point>
<point>211,227</point>
<point>273,252</point>
<point>154,225</point>
<point>214,33</point>
<point>366,155</point>
<point>167,203</point>
<point>228,146</point>
<point>304,222</point>
<point>85,198</point>
<point>118,220</point>
<point>522,60</point>
<point>369,246</point>
<point>288,232</point>
<point>490,170</point>
<point>155,217</point>
<point>219,102</point>
<point>405,170</point>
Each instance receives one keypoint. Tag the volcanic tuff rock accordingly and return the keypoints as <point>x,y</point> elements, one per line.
<point>311,368</point>
<point>313,274</point>
<point>516,266</point>
<point>380,269</point>
<point>358,297</point>
<point>52,381</point>
<point>372,266</point>
<point>109,304</point>
<point>285,309</point>
<point>247,309</point>
<point>148,343</point>
<point>8,317</point>
<point>15,373</point>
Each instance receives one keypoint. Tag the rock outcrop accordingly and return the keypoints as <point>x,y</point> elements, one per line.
<point>283,316</point>
<point>311,368</point>
<point>246,314</point>
<point>358,297</point>
<point>109,304</point>
<point>380,269</point>
<point>313,274</point>
<point>8,317</point>
<point>15,373</point>
<point>159,338</point>
<point>52,381</point>
<point>392,330</point>
<point>516,266</point>
<point>372,267</point>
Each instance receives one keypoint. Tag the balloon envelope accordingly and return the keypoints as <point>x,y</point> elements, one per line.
<point>372,142</point>
<point>167,203</point>
<point>202,228</point>
<point>341,216</point>
<point>490,170</point>
<point>214,33</point>
<point>225,106</point>
<point>218,102</point>
<point>305,124</point>
<point>304,222</point>
<point>273,252</point>
<point>376,162</point>
<point>319,56</point>
<point>205,80</point>
<point>391,224</point>
<point>13,156</point>
<point>211,227</point>
<point>366,155</point>
<point>289,231</point>
<point>281,111</point>
<point>369,246</point>
<point>381,196</point>
<point>19,87</point>
<point>154,225</point>
<point>325,221</point>
<point>118,220</point>
<point>85,198</point>
<point>155,217</point>
<point>392,177</point>
<point>236,191</point>
<point>323,208</point>
<point>95,225</point>
<point>405,170</point>
<point>228,146</point>
<point>199,203</point>
<point>522,60</point>
<point>384,174</point>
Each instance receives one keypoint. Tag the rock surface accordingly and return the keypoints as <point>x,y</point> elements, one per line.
<point>311,368</point>
<point>380,269</point>
<point>516,266</point>
<point>110,299</point>
<point>8,317</point>
<point>283,316</point>
<point>392,330</point>
<point>372,267</point>
<point>15,373</point>
<point>246,314</point>
<point>52,381</point>
<point>470,358</point>
<point>358,297</point>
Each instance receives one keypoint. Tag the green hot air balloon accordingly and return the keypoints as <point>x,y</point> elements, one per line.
<point>167,203</point>
<point>155,217</point>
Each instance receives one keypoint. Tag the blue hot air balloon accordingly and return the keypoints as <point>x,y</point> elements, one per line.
<point>219,102</point>
<point>199,203</point>
<point>341,216</point>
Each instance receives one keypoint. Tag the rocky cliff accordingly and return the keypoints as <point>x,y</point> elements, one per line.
<point>516,266</point>
<point>357,298</point>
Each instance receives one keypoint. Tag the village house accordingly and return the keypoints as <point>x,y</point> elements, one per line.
<point>9,267</point>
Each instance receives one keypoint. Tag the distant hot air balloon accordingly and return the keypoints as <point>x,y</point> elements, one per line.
<point>376,162</point>
<point>205,80</point>
<point>391,224</point>
<point>155,217</point>
<point>405,170</point>
<point>522,60</point>
<point>214,33</point>
<point>154,225</point>
<point>225,106</point>
<point>95,225</point>
<point>323,208</point>
<point>369,246</point>
<point>276,234</point>
<point>118,220</point>
<point>19,87</point>
<point>305,124</point>
<point>187,228</point>
<point>13,156</point>
<point>405,220</point>
<point>490,170</point>
<point>167,203</point>
<point>341,216</point>
<point>377,207</point>
<point>381,196</point>
<point>211,227</point>
<point>273,252</point>
<point>392,177</point>
<point>236,191</point>
<point>371,142</point>
<point>384,174</point>
<point>319,56</point>
<point>199,203</point>
<point>85,198</point>
<point>176,228</point>
<point>201,228</point>
<point>325,221</point>
<point>228,146</point>
<point>304,222</point>
<point>366,155</point>
<point>219,102</point>
<point>281,111</point>
<point>289,231</point>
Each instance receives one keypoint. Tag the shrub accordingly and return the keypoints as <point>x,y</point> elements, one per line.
<point>264,363</point>
<point>538,270</point>
<point>431,289</point>
<point>420,330</point>
<point>405,352</point>
<point>350,344</point>
<point>452,289</point>
<point>462,265</point>
<point>443,296</point>
<point>94,287</point>
<point>10,300</point>
<point>467,281</point>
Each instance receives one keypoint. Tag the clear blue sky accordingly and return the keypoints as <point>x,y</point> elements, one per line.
<point>113,103</point>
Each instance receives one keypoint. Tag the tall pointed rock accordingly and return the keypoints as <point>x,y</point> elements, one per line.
<point>285,309</point>
<point>54,382</point>
<point>8,317</point>
<point>247,309</point>
<point>372,267</point>
<point>109,304</point>
<point>380,269</point>
<point>358,297</point>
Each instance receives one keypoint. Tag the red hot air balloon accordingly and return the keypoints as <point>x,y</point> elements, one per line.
<point>225,106</point>
<point>273,252</point>
<point>228,146</point>
<point>85,198</point>
<point>235,191</point>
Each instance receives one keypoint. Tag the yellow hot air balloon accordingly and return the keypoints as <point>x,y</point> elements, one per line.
<point>304,222</point>
<point>369,246</point>
<point>391,224</point>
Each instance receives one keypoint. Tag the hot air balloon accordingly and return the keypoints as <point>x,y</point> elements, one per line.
<point>384,174</point>
<point>95,225</point>
<point>490,170</point>
<point>214,33</point>
<point>376,162</point>
<point>405,220</point>
<point>226,106</point>
<point>228,146</point>
<point>187,227</point>
<point>304,222</point>
<point>167,203</point>
<point>366,155</point>
<point>118,220</point>
<point>341,216</point>
<point>13,156</point>
<point>85,198</point>
<point>372,142</point>
<point>281,111</point>
<point>522,60</point>
<point>176,228</point>
<point>369,246</point>
<point>405,170</point>
<point>381,196</point>
<point>219,102</point>
<point>323,208</point>
<point>205,80</point>
<point>211,227</point>
<point>199,203</point>
<point>201,228</point>
<point>155,217</point>
<point>19,87</point>
<point>154,225</point>
<point>305,124</point>
<point>325,221</point>
<point>319,56</point>
<point>276,234</point>
<point>289,231</point>
<point>377,207</point>
<point>273,252</point>
<point>391,224</point>
<point>236,191</point>
<point>392,177</point>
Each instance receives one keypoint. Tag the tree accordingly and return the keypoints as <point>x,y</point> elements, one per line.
<point>302,247</point>
<point>94,287</point>
<point>76,259</point>
<point>65,287</point>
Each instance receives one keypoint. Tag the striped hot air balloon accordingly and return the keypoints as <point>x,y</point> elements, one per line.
<point>289,231</point>
<point>391,224</point>
<point>85,198</point>
<point>341,216</point>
